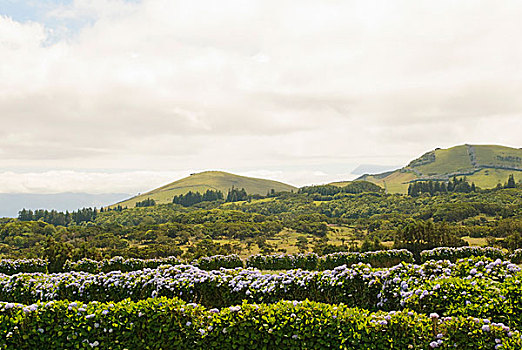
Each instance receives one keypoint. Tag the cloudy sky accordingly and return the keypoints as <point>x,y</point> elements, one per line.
<point>121,96</point>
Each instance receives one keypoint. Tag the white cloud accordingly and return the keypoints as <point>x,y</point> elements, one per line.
<point>165,86</point>
<point>85,182</point>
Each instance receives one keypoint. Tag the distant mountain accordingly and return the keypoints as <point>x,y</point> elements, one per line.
<point>485,165</point>
<point>208,180</point>
<point>12,203</point>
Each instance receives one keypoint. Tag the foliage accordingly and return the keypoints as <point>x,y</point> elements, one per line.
<point>146,203</point>
<point>218,262</point>
<point>11,266</point>
<point>461,185</point>
<point>283,261</point>
<point>385,258</point>
<point>59,218</point>
<point>170,323</point>
<point>421,235</point>
<point>56,254</point>
<point>190,198</point>
<point>453,254</point>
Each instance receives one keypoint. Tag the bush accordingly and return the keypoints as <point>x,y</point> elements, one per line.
<point>358,285</point>
<point>217,262</point>
<point>283,261</point>
<point>381,258</point>
<point>10,267</point>
<point>516,256</point>
<point>453,254</point>
<point>171,324</point>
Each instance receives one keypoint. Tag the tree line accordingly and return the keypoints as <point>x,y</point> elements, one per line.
<point>59,218</point>
<point>440,187</point>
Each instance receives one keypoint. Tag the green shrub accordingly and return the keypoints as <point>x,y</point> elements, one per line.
<point>171,324</point>
<point>11,266</point>
<point>381,258</point>
<point>283,261</point>
<point>453,254</point>
<point>217,262</point>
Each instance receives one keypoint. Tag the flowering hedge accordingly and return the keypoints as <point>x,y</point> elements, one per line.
<point>453,254</point>
<point>125,265</point>
<point>12,266</point>
<point>171,324</point>
<point>118,263</point>
<point>309,261</point>
<point>381,258</point>
<point>283,261</point>
<point>357,285</point>
<point>406,280</point>
<point>217,262</point>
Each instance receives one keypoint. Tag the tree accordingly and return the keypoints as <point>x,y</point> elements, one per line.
<point>419,235</point>
<point>510,182</point>
<point>57,253</point>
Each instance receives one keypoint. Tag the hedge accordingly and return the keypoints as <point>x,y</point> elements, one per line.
<point>12,266</point>
<point>171,324</point>
<point>357,285</point>
<point>381,258</point>
<point>217,262</point>
<point>118,263</point>
<point>453,254</point>
<point>310,261</point>
<point>283,261</point>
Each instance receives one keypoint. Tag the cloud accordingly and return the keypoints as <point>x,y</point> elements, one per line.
<point>58,181</point>
<point>166,86</point>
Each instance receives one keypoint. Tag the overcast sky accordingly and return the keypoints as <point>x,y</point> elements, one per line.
<point>121,96</point>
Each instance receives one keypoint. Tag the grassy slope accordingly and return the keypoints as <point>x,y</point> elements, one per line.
<point>213,180</point>
<point>447,161</point>
<point>488,155</point>
<point>454,160</point>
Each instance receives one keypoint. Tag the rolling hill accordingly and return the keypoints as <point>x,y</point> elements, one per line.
<point>208,180</point>
<point>485,165</point>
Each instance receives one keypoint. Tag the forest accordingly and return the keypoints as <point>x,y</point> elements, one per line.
<point>320,219</point>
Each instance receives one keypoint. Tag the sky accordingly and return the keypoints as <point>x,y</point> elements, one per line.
<point>114,96</point>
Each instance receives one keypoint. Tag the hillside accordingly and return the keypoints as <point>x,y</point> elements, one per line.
<point>208,180</point>
<point>485,165</point>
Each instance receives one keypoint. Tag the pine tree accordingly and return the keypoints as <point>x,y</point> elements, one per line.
<point>511,182</point>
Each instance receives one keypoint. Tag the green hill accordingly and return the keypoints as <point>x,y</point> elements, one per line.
<point>485,165</point>
<point>208,180</point>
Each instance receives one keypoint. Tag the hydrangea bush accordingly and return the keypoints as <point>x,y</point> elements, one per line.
<point>163,323</point>
<point>453,254</point>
